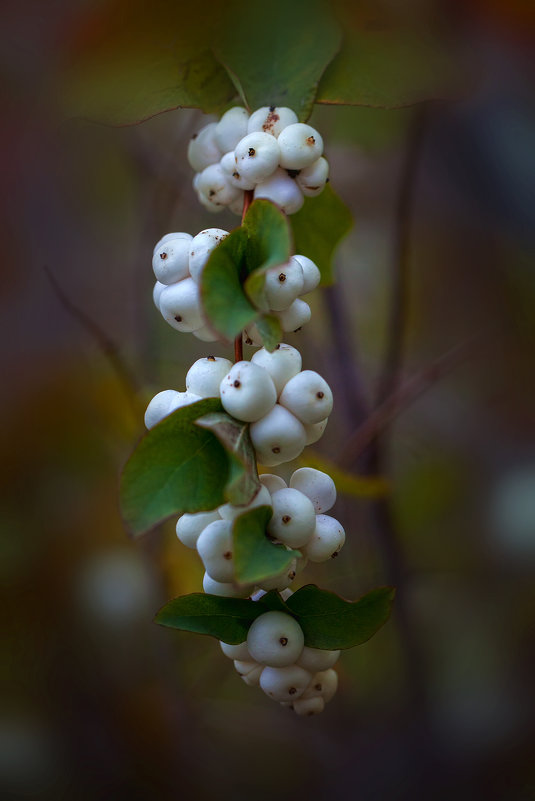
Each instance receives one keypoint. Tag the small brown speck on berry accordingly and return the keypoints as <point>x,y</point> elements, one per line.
<point>252,152</point>
<point>283,641</point>
<point>178,318</point>
<point>282,277</point>
<point>163,256</point>
<point>286,518</point>
<point>320,395</point>
<point>237,384</point>
<point>311,141</point>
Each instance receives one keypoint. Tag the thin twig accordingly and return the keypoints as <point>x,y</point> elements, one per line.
<point>124,375</point>
<point>238,342</point>
<point>410,390</point>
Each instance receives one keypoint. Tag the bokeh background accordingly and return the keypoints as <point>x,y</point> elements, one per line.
<point>102,704</point>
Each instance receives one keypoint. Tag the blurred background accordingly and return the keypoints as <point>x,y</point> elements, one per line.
<point>102,704</point>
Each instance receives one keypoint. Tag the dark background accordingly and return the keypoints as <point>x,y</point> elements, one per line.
<point>100,703</point>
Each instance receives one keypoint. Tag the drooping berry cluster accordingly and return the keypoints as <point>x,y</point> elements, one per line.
<point>178,260</point>
<point>275,657</point>
<point>269,152</point>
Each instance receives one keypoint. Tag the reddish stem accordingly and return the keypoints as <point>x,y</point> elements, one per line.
<point>238,342</point>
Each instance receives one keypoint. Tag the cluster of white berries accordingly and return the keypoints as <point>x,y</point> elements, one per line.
<point>275,657</point>
<point>178,260</point>
<point>298,521</point>
<point>269,152</point>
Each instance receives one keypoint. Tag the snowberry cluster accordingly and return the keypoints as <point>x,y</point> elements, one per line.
<point>178,260</point>
<point>298,521</point>
<point>275,657</point>
<point>269,152</point>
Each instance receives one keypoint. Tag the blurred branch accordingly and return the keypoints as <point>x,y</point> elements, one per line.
<point>124,375</point>
<point>386,412</point>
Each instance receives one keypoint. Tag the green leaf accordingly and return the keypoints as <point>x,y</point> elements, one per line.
<point>126,66</point>
<point>318,228</point>
<point>385,68</point>
<point>278,51</point>
<point>270,330</point>
<point>255,556</point>
<point>330,622</point>
<point>177,467</point>
<point>243,483</point>
<point>227,619</point>
<point>225,304</point>
<point>269,244</point>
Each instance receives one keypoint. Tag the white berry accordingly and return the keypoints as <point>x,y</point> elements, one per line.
<point>312,179</point>
<point>326,541</point>
<point>250,672</point>
<point>284,683</point>
<point>180,305</point>
<point>226,589</point>
<point>311,273</point>
<point>257,156</point>
<point>215,186</point>
<point>294,520</point>
<point>201,246</point>
<point>278,437</point>
<point>236,178</point>
<point>281,581</point>
<point>203,149</point>
<point>271,119</point>
<point>294,317</point>
<point>272,482</point>
<point>281,190</point>
<point>239,652</point>
<point>300,146</point>
<point>314,431</point>
<point>215,549</point>
<point>282,364</point>
<point>316,659</point>
<point>248,392</point>
<point>156,293</point>
<point>171,261</point>
<point>231,128</point>
<point>316,485</point>
<point>190,526</point>
<point>308,706</point>
<point>275,639</point>
<point>323,685</point>
<point>205,375</point>
<point>283,285</point>
<point>166,402</point>
<point>167,238</point>
<point>308,396</point>
<point>205,334</point>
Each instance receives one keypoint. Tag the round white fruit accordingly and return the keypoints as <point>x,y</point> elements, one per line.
<point>295,316</point>
<point>248,392</point>
<point>300,146</point>
<point>231,128</point>
<point>323,685</point>
<point>215,186</point>
<point>312,179</point>
<point>281,581</point>
<point>205,375</point>
<point>239,651</point>
<point>272,482</point>
<point>277,437</point>
<point>327,540</point>
<point>316,659</point>
<point>171,261</point>
<point>180,305</point>
<point>215,549</point>
<point>308,706</point>
<point>231,512</point>
<point>281,190</point>
<point>200,248</point>
<point>311,273</point>
<point>167,237</point>
<point>275,639</point>
<point>166,402</point>
<point>284,683</point>
<point>257,156</point>
<point>316,485</point>
<point>308,396</point>
<point>283,285</point>
<point>225,589</point>
<point>250,672</point>
<point>293,520</point>
<point>156,293</point>
<point>282,364</point>
<point>190,526</point>
<point>203,149</point>
<point>271,120</point>
<point>314,431</point>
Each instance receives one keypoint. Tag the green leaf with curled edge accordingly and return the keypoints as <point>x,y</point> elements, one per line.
<point>269,244</point>
<point>124,66</point>
<point>225,304</point>
<point>270,329</point>
<point>318,229</point>
<point>386,67</point>
<point>276,52</point>
<point>177,467</point>
<point>243,482</point>
<point>256,557</point>
<point>331,623</point>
